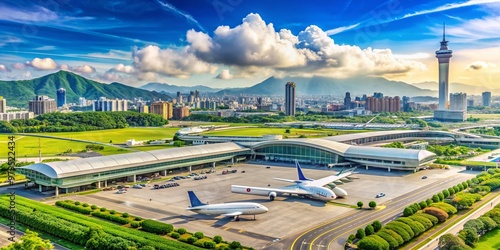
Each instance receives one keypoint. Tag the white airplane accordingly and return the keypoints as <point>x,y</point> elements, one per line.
<point>232,209</point>
<point>303,187</point>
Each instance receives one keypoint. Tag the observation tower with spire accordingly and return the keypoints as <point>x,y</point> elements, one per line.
<point>443,55</point>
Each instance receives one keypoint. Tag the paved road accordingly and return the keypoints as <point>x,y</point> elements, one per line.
<point>333,234</point>
<point>487,206</point>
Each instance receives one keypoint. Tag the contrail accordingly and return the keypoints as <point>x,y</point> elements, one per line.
<point>172,8</point>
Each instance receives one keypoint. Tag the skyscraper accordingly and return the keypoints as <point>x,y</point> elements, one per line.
<point>3,105</point>
<point>347,100</point>
<point>290,98</point>
<point>165,109</point>
<point>61,97</point>
<point>42,105</point>
<point>443,55</point>
<point>486,99</point>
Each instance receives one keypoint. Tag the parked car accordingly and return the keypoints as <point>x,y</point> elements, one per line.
<point>137,186</point>
<point>380,195</point>
<point>121,191</point>
<point>424,177</point>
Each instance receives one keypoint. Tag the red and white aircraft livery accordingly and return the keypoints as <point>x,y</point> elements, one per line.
<point>303,187</point>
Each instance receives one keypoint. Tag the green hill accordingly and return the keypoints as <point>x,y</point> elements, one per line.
<point>19,93</point>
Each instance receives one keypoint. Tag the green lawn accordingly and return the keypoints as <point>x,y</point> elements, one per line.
<point>489,241</point>
<point>152,147</point>
<point>485,116</point>
<point>294,132</point>
<point>119,136</point>
<point>27,146</point>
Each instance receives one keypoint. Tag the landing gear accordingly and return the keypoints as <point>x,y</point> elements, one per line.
<point>237,218</point>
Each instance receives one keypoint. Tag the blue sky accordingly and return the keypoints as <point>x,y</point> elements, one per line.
<point>232,43</point>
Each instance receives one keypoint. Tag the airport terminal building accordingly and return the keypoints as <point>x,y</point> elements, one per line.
<point>79,174</point>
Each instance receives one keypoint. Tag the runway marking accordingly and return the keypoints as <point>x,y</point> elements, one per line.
<point>241,231</point>
<point>226,228</point>
<point>357,218</point>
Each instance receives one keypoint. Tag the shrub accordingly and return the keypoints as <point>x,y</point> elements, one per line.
<point>422,220</point>
<point>360,233</point>
<point>77,203</point>
<point>373,242</point>
<point>360,204</point>
<point>469,236</point>
<point>93,207</point>
<point>403,226</point>
<point>369,230</point>
<point>85,205</point>
<point>465,185</point>
<point>377,225</point>
<point>175,235</point>
<point>111,217</point>
<point>234,245</point>
<point>191,240</point>
<point>441,197</point>
<point>429,201</point>
<point>112,212</point>
<point>103,209</point>
<point>489,223</point>
<point>430,217</point>
<point>209,244</point>
<point>138,219</point>
<point>351,238</point>
<point>408,211</point>
<point>217,239</point>
<point>402,233</point>
<point>181,230</point>
<point>125,215</point>
<point>199,235</point>
<point>135,224</point>
<point>156,227</point>
<point>423,204</point>
<point>372,204</point>
<point>475,224</point>
<point>452,191</point>
<point>446,207</point>
<point>415,226</point>
<point>83,210</point>
<point>435,198</point>
<point>436,212</point>
<point>446,193</point>
<point>393,242</point>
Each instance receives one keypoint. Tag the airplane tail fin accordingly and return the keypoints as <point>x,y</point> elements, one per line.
<point>194,199</point>
<point>299,172</point>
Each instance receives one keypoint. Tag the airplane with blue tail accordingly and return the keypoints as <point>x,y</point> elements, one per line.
<point>302,187</point>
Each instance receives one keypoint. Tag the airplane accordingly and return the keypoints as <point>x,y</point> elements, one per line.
<point>303,187</point>
<point>230,209</point>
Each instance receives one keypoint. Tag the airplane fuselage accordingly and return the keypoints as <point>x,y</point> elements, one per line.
<point>246,208</point>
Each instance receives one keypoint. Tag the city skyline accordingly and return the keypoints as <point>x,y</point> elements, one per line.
<point>238,44</point>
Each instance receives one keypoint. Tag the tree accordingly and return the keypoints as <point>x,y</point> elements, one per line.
<point>30,240</point>
<point>451,242</point>
<point>360,233</point>
<point>372,204</point>
<point>435,198</point>
<point>423,204</point>
<point>469,236</point>
<point>217,239</point>
<point>377,225</point>
<point>408,211</point>
<point>360,204</point>
<point>369,230</point>
<point>446,193</point>
<point>429,201</point>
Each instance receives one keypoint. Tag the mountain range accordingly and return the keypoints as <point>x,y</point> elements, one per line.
<point>19,93</point>
<point>173,89</point>
<point>457,87</point>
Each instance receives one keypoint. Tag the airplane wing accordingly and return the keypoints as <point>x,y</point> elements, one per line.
<point>329,179</point>
<point>286,180</point>
<point>233,214</point>
<point>265,190</point>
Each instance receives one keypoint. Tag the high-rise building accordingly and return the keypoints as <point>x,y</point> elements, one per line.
<point>458,101</point>
<point>82,102</point>
<point>191,97</point>
<point>181,112</point>
<point>3,105</point>
<point>443,55</point>
<point>197,95</point>
<point>486,99</point>
<point>165,109</point>
<point>61,97</point>
<point>179,97</point>
<point>42,105</point>
<point>470,103</point>
<point>385,104</point>
<point>347,100</point>
<point>290,98</point>
<point>406,104</point>
<point>110,105</point>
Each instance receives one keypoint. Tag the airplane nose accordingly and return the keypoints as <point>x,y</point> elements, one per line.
<point>265,209</point>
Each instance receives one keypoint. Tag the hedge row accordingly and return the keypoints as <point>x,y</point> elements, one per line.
<point>157,227</point>
<point>111,217</point>
<point>80,209</point>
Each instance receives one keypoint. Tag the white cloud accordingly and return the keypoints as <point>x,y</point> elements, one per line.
<point>224,75</point>
<point>170,62</point>
<point>84,69</point>
<point>42,64</point>
<point>38,14</point>
<point>18,66</point>
<point>4,68</point>
<point>475,29</point>
<point>47,47</point>
<point>448,6</point>
<point>413,56</point>
<point>255,45</point>
<point>64,67</point>
<point>127,69</point>
<point>173,9</point>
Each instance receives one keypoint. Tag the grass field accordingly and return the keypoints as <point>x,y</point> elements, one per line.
<point>489,241</point>
<point>294,132</point>
<point>119,136</point>
<point>485,116</point>
<point>152,147</point>
<point>27,146</point>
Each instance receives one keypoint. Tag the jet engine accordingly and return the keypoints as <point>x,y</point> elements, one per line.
<point>272,195</point>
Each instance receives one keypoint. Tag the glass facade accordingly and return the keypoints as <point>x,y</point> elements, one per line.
<point>305,154</point>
